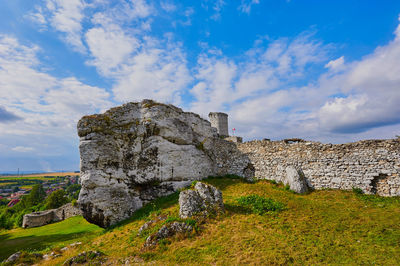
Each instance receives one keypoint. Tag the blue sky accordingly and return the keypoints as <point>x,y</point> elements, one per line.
<point>327,71</point>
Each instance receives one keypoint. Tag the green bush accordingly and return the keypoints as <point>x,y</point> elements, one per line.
<point>358,191</point>
<point>260,205</point>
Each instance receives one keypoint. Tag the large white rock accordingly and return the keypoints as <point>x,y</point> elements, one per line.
<point>140,151</point>
<point>296,180</point>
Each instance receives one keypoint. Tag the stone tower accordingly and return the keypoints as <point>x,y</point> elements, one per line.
<point>220,122</point>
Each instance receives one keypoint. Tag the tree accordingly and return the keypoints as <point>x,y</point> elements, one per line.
<point>36,196</point>
<point>56,199</point>
<point>73,191</point>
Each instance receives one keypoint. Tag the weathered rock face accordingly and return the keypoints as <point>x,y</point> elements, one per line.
<point>203,199</point>
<point>140,151</point>
<point>295,179</point>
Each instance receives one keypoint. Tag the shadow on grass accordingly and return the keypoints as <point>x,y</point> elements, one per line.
<point>223,182</point>
<point>235,209</point>
<point>154,206</point>
<point>10,245</point>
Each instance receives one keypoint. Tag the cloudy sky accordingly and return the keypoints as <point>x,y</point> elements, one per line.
<point>320,70</point>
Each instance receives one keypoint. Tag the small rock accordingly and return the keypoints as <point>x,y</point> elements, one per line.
<point>75,244</point>
<point>148,224</point>
<point>84,257</point>
<point>64,249</point>
<point>168,231</point>
<point>14,257</point>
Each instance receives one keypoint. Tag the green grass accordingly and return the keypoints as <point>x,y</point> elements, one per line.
<point>319,228</point>
<point>41,238</point>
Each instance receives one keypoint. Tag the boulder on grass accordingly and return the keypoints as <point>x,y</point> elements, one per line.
<point>203,199</point>
<point>296,180</point>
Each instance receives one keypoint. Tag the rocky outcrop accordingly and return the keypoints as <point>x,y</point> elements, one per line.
<point>92,257</point>
<point>168,231</point>
<point>295,179</point>
<point>137,152</point>
<point>50,216</point>
<point>203,199</point>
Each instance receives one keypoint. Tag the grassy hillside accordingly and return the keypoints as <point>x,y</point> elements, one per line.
<point>323,227</point>
<point>41,238</point>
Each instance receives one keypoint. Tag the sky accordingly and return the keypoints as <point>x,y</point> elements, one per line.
<point>325,71</point>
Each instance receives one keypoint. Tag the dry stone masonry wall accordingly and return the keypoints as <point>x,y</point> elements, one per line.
<point>372,165</point>
<point>50,216</point>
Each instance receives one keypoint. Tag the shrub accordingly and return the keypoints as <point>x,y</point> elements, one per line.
<point>358,191</point>
<point>260,205</point>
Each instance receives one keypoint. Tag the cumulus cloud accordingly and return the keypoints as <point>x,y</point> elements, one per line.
<point>371,89</point>
<point>50,106</point>
<point>64,16</point>
<point>109,47</point>
<point>222,83</point>
<point>155,72</point>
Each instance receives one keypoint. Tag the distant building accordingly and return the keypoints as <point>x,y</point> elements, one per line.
<point>13,202</point>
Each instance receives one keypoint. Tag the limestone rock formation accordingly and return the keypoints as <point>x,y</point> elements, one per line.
<point>295,179</point>
<point>203,199</point>
<point>140,151</point>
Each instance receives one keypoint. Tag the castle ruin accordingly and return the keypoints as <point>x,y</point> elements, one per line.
<point>137,152</point>
<point>220,122</point>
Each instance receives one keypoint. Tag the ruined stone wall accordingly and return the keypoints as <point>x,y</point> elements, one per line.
<point>372,165</point>
<point>66,211</point>
<point>36,219</point>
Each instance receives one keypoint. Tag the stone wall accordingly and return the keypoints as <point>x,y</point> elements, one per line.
<point>36,219</point>
<point>372,165</point>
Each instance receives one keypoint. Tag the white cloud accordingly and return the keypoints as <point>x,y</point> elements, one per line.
<point>336,65</point>
<point>109,47</point>
<point>223,82</point>
<point>168,6</point>
<point>371,89</point>
<point>23,149</point>
<point>66,16</point>
<point>214,88</point>
<point>246,5</point>
<point>215,5</point>
<point>155,72</point>
<point>47,104</point>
